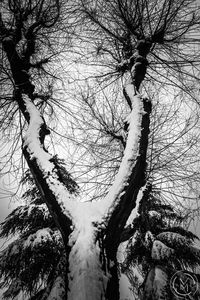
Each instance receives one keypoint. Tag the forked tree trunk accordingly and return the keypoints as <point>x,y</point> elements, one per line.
<point>91,232</point>
<point>92,275</point>
<point>91,241</point>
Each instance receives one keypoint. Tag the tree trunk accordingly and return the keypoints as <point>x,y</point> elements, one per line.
<point>92,275</point>
<point>91,232</point>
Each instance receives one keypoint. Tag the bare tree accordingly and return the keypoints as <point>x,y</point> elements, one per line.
<point>137,36</point>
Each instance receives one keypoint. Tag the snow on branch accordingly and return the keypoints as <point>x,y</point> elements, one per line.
<point>160,251</point>
<point>32,137</point>
<point>134,214</point>
<point>131,152</point>
<point>40,237</point>
<point>32,141</point>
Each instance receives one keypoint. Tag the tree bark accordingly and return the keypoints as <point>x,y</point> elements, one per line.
<point>137,179</point>
<point>91,261</point>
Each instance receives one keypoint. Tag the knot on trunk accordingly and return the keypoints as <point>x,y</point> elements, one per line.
<point>139,70</point>
<point>143,47</point>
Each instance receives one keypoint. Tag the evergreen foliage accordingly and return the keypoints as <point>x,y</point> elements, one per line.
<point>159,245</point>
<point>131,46</point>
<point>28,264</point>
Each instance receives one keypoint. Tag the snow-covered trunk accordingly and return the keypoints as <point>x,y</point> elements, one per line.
<point>136,180</point>
<point>42,165</point>
<point>91,261</point>
<point>88,275</point>
<point>131,178</point>
<point>40,162</point>
<point>87,280</point>
<point>51,187</point>
<point>92,276</point>
<point>43,168</point>
<point>132,171</point>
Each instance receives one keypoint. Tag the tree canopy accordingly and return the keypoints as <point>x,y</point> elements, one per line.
<point>112,86</point>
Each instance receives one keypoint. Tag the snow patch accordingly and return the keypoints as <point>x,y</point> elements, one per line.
<point>160,284</point>
<point>134,214</point>
<point>125,288</point>
<point>153,213</point>
<point>172,238</point>
<point>41,207</point>
<point>58,290</point>
<point>15,249</point>
<point>86,279</point>
<point>41,236</point>
<point>160,251</point>
<point>32,138</point>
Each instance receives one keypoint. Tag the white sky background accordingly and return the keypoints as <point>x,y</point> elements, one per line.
<point>6,205</point>
<point>63,146</point>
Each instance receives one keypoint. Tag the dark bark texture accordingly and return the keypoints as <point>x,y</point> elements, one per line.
<point>112,235</point>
